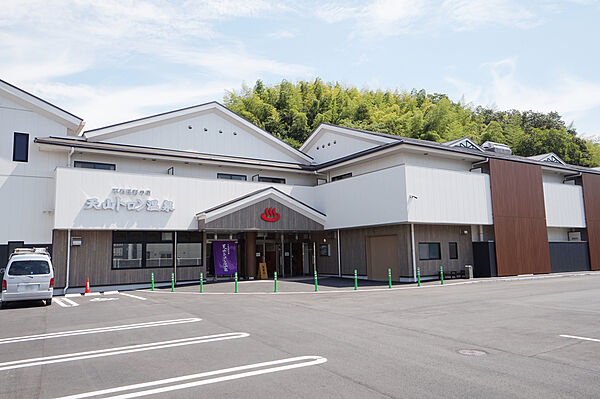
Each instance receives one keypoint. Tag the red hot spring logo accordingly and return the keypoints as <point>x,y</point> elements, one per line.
<point>270,215</point>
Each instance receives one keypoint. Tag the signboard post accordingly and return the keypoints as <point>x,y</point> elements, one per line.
<point>225,258</point>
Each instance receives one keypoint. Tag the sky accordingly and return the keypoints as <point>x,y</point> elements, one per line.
<point>114,60</point>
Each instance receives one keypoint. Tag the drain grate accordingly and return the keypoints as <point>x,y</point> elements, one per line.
<point>472,352</point>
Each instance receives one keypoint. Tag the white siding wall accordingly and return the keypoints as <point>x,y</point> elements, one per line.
<point>190,196</point>
<point>334,145</point>
<point>446,196</point>
<point>558,234</point>
<point>27,188</point>
<point>177,136</point>
<point>147,166</point>
<point>564,205</point>
<point>370,199</point>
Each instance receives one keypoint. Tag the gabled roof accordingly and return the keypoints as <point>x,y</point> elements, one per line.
<point>42,107</point>
<point>464,142</point>
<point>549,157</point>
<point>136,124</point>
<point>374,137</point>
<point>257,196</point>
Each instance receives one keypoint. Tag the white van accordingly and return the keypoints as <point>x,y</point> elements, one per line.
<point>28,276</point>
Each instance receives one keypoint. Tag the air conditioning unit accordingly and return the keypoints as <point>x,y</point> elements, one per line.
<point>574,235</point>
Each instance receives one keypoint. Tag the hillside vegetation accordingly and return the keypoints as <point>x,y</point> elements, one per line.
<point>292,111</point>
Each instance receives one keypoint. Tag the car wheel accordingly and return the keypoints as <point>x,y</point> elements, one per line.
<point>48,302</point>
<point>2,305</point>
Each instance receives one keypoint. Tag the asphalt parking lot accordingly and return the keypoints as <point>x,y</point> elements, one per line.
<point>520,338</point>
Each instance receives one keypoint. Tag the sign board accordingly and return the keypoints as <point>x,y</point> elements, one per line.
<point>262,271</point>
<point>225,258</point>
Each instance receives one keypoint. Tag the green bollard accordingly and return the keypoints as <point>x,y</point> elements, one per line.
<point>201,282</point>
<point>275,282</point>
<point>418,276</point>
<point>355,280</point>
<point>442,274</point>
<point>389,278</point>
<point>172,282</point>
<point>235,277</point>
<point>316,282</point>
<point>152,281</point>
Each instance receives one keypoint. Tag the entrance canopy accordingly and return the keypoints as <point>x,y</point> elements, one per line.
<point>265,210</point>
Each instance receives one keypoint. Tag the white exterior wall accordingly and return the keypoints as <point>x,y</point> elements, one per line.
<point>558,234</point>
<point>564,205</point>
<point>191,169</point>
<point>334,145</point>
<point>370,199</point>
<point>27,188</point>
<point>189,195</point>
<point>175,135</point>
<point>445,196</point>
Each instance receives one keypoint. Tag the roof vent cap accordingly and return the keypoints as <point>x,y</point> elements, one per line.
<point>498,148</point>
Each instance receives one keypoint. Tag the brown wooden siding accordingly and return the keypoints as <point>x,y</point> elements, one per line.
<point>520,231</point>
<point>444,235</point>
<point>591,200</point>
<point>93,260</point>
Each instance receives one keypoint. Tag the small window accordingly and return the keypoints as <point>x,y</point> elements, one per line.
<point>230,176</point>
<point>429,251</point>
<point>453,250</point>
<point>94,165</point>
<point>21,147</point>
<point>340,177</point>
<point>265,179</point>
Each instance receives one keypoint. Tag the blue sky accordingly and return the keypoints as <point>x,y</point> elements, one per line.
<point>114,60</point>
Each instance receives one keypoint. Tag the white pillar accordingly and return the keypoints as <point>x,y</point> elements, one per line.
<point>414,256</point>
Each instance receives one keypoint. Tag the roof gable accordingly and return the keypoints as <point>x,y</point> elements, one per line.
<point>329,142</point>
<point>207,128</point>
<point>73,123</point>
<point>266,209</point>
<point>549,157</point>
<point>464,142</point>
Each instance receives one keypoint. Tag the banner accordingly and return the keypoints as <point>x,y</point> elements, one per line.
<point>225,258</point>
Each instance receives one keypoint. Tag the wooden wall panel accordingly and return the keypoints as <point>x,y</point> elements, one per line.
<point>59,257</point>
<point>591,200</point>
<point>444,234</point>
<point>520,230</point>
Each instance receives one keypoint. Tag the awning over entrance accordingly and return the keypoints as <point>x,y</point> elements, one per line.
<point>265,210</point>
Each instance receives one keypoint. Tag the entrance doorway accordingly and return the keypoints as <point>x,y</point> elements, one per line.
<point>284,253</point>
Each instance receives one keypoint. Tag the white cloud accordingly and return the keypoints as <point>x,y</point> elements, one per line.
<point>281,34</point>
<point>397,17</point>
<point>571,96</point>
<point>472,14</point>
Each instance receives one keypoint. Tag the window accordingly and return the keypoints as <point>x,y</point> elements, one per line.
<point>189,248</point>
<point>138,249</point>
<point>21,147</point>
<point>453,250</point>
<point>340,177</point>
<point>28,268</point>
<point>230,176</point>
<point>429,251</point>
<point>271,179</point>
<point>94,165</point>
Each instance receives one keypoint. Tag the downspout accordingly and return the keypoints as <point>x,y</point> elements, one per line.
<point>412,246</point>
<point>69,156</point>
<point>68,261</point>
<point>339,254</point>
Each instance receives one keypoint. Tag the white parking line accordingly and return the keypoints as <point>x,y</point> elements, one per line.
<point>580,338</point>
<point>60,303</point>
<point>69,357</point>
<point>70,302</point>
<point>60,334</point>
<point>278,365</point>
<point>134,296</point>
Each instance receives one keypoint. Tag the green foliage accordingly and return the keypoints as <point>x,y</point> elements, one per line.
<point>292,111</point>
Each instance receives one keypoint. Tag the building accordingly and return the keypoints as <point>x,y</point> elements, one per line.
<point>171,193</point>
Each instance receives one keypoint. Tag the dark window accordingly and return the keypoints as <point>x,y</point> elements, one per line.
<point>28,268</point>
<point>154,249</point>
<point>271,179</point>
<point>429,251</point>
<point>340,177</point>
<point>230,176</point>
<point>21,147</point>
<point>95,165</point>
<point>453,250</point>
